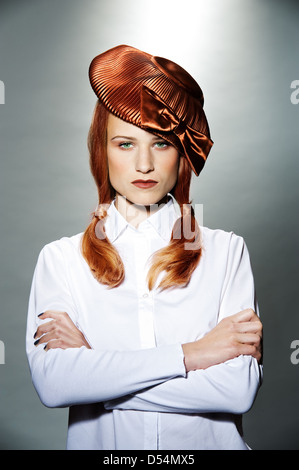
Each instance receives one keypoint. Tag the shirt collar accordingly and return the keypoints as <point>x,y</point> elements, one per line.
<point>162,221</point>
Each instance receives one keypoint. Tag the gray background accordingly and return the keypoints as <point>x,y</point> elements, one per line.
<point>244,54</point>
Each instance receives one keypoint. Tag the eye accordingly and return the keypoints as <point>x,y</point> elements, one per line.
<point>161,144</point>
<point>125,145</point>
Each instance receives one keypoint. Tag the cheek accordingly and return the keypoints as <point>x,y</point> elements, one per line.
<point>117,169</point>
<point>171,168</point>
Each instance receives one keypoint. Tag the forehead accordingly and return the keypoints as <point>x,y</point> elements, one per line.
<point>118,127</point>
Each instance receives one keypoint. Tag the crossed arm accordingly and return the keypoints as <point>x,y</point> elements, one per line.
<point>221,368</point>
<point>236,335</point>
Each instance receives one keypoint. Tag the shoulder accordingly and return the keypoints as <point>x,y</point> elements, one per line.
<point>65,247</point>
<point>222,245</point>
<point>225,252</point>
<point>219,238</point>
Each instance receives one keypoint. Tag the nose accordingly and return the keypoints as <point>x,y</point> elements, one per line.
<point>144,160</point>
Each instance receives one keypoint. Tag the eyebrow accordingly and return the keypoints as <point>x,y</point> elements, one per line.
<point>126,137</point>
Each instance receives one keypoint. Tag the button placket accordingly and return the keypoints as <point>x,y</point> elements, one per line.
<point>142,245</point>
<point>145,300</point>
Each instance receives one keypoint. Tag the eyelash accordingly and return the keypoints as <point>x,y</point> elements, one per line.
<point>122,145</point>
<point>163,143</point>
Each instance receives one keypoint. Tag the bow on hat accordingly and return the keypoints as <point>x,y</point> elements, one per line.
<point>157,116</point>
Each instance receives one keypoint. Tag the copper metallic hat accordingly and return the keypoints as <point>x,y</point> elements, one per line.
<point>156,95</point>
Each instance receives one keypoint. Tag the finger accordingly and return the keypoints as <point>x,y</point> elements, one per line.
<point>51,314</point>
<point>249,350</point>
<point>55,344</point>
<point>248,338</point>
<point>59,316</point>
<point>44,328</point>
<point>63,342</point>
<point>250,327</point>
<point>46,337</point>
<point>57,330</point>
<point>244,315</point>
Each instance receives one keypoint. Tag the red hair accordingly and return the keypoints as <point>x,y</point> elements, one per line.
<point>178,260</point>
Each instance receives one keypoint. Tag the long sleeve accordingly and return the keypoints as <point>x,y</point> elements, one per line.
<point>82,375</point>
<point>225,388</point>
<point>229,387</point>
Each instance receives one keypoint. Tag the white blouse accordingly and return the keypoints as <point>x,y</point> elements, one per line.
<point>131,390</point>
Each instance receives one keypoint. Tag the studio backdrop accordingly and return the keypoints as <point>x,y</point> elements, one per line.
<point>244,55</point>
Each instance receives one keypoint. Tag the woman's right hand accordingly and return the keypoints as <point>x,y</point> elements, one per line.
<point>239,334</point>
<point>60,332</point>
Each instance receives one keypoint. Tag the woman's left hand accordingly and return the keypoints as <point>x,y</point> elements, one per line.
<point>60,332</point>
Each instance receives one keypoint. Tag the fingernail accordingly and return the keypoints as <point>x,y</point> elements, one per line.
<point>36,342</point>
<point>34,335</point>
<point>45,347</point>
<point>40,314</point>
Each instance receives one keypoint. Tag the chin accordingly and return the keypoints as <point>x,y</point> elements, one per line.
<point>146,200</point>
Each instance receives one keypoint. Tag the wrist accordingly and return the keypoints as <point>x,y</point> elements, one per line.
<point>191,359</point>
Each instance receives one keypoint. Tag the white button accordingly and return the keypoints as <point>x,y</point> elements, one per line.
<point>145,296</point>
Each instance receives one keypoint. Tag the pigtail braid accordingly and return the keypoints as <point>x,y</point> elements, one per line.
<point>102,257</point>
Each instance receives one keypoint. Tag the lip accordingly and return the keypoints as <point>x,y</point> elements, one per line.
<point>145,184</point>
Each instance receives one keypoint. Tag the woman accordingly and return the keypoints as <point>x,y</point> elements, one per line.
<point>145,325</point>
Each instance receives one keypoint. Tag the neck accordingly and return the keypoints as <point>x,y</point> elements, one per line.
<point>137,213</point>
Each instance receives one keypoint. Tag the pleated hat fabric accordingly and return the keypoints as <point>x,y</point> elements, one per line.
<point>156,95</point>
